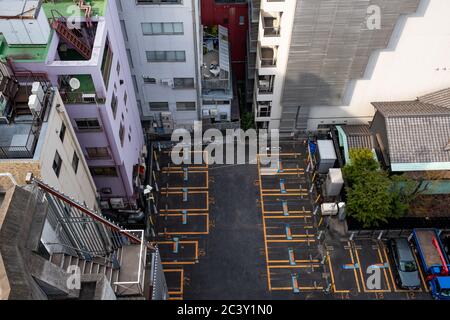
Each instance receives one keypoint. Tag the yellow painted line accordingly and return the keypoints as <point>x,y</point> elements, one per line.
<point>180,214</point>
<point>425,285</point>
<point>290,212</point>
<point>287,190</point>
<point>354,270</point>
<point>286,217</point>
<point>264,226</point>
<point>284,194</point>
<point>297,261</point>
<point>294,236</point>
<point>175,298</point>
<point>360,271</point>
<point>333,284</point>
<point>300,288</point>
<point>384,269</point>
<point>299,266</point>
<point>287,241</point>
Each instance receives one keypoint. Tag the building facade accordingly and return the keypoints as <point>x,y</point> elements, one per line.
<point>330,59</point>
<point>163,46</point>
<point>89,65</point>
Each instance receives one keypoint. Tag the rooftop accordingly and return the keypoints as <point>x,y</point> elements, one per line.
<point>39,52</point>
<point>418,132</point>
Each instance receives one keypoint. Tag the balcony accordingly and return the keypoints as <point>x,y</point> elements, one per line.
<point>268,56</point>
<point>78,89</point>
<point>19,136</point>
<point>271,24</point>
<point>265,84</point>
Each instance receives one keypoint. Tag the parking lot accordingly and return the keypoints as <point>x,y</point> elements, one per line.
<point>251,232</point>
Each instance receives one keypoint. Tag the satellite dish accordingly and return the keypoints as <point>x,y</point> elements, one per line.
<point>74,83</point>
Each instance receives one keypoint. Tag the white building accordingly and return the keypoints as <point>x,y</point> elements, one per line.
<point>163,45</point>
<point>312,70</point>
<point>39,139</point>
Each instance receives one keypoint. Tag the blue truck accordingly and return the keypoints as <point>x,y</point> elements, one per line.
<point>435,263</point>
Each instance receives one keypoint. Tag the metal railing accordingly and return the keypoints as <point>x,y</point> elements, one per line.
<point>215,84</point>
<point>70,97</point>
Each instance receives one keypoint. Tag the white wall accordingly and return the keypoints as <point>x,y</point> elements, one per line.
<point>80,185</point>
<point>134,15</point>
<point>283,43</point>
<point>416,62</point>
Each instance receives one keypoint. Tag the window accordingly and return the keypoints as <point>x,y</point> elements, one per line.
<point>121,133</point>
<point>124,29</point>
<point>104,171</point>
<point>149,80</point>
<point>166,56</point>
<point>159,106</point>
<point>241,20</point>
<point>114,105</point>
<point>162,28</point>
<point>185,106</point>
<point>98,153</point>
<point>135,83</point>
<point>106,63</point>
<point>88,124</point>
<point>130,58</point>
<point>75,161</point>
<point>57,163</point>
<point>125,97</point>
<point>62,132</point>
<point>264,108</point>
<point>181,83</point>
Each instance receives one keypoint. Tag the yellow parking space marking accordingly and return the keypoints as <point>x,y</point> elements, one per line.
<point>333,284</point>
<point>299,266</point>
<point>264,225</point>
<point>181,271</point>
<point>394,285</point>
<point>293,240</point>
<point>384,269</point>
<point>299,288</point>
<point>425,285</point>
<point>354,270</point>
<point>364,281</point>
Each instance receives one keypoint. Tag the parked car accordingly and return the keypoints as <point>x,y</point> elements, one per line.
<point>406,270</point>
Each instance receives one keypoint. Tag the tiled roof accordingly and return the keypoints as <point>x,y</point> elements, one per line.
<point>358,136</point>
<point>439,98</point>
<point>409,109</point>
<point>418,131</point>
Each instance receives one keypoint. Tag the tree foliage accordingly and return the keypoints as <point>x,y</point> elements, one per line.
<point>372,196</point>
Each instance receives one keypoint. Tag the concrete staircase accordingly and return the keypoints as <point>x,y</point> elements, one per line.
<point>98,265</point>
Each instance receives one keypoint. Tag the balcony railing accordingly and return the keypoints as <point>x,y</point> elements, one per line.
<point>215,84</point>
<point>271,31</point>
<point>70,97</point>
<point>24,151</point>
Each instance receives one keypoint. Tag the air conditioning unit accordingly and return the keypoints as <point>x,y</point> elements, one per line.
<point>167,82</point>
<point>117,203</point>
<point>205,113</point>
<point>34,104</point>
<point>104,205</point>
<point>213,112</point>
<point>166,116</point>
<point>36,89</point>
<point>88,97</point>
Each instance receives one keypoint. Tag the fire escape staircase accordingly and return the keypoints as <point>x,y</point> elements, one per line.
<point>60,26</point>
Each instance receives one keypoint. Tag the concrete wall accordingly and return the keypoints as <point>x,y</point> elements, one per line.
<point>187,13</point>
<point>414,63</point>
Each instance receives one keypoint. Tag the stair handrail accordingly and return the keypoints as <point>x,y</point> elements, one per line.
<point>94,215</point>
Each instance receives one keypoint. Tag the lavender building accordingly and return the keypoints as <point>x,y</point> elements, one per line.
<point>80,48</point>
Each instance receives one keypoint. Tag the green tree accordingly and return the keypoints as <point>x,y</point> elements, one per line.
<point>369,199</point>
<point>372,196</point>
<point>247,121</point>
<point>361,162</point>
